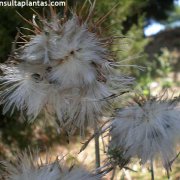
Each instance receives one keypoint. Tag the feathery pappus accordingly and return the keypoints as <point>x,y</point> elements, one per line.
<point>30,166</point>
<point>65,67</point>
<point>22,90</point>
<point>147,129</point>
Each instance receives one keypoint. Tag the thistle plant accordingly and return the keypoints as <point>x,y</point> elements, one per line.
<point>30,166</point>
<point>147,129</point>
<point>66,69</point>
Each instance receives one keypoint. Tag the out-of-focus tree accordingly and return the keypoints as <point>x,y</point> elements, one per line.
<point>174,18</point>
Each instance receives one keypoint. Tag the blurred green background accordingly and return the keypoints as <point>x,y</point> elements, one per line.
<point>151,30</point>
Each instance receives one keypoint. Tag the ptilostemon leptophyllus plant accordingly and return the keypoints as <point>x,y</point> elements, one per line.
<point>67,69</point>
<point>147,129</point>
<point>30,166</point>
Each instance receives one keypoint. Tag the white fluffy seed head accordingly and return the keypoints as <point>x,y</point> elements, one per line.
<point>70,53</point>
<point>67,67</point>
<point>147,130</point>
<point>29,166</point>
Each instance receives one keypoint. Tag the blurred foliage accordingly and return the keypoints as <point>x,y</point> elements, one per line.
<point>163,62</point>
<point>17,134</point>
<point>173,18</point>
<point>128,12</point>
<point>158,71</point>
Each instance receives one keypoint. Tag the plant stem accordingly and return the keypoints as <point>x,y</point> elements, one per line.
<point>152,170</point>
<point>97,151</point>
<point>113,173</point>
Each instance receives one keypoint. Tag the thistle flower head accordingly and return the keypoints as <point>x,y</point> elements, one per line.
<point>28,166</point>
<point>65,67</point>
<point>147,129</point>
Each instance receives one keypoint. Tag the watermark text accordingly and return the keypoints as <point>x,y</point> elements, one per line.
<point>31,3</point>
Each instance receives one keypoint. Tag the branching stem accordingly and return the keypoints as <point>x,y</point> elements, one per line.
<point>97,149</point>
<point>152,170</point>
